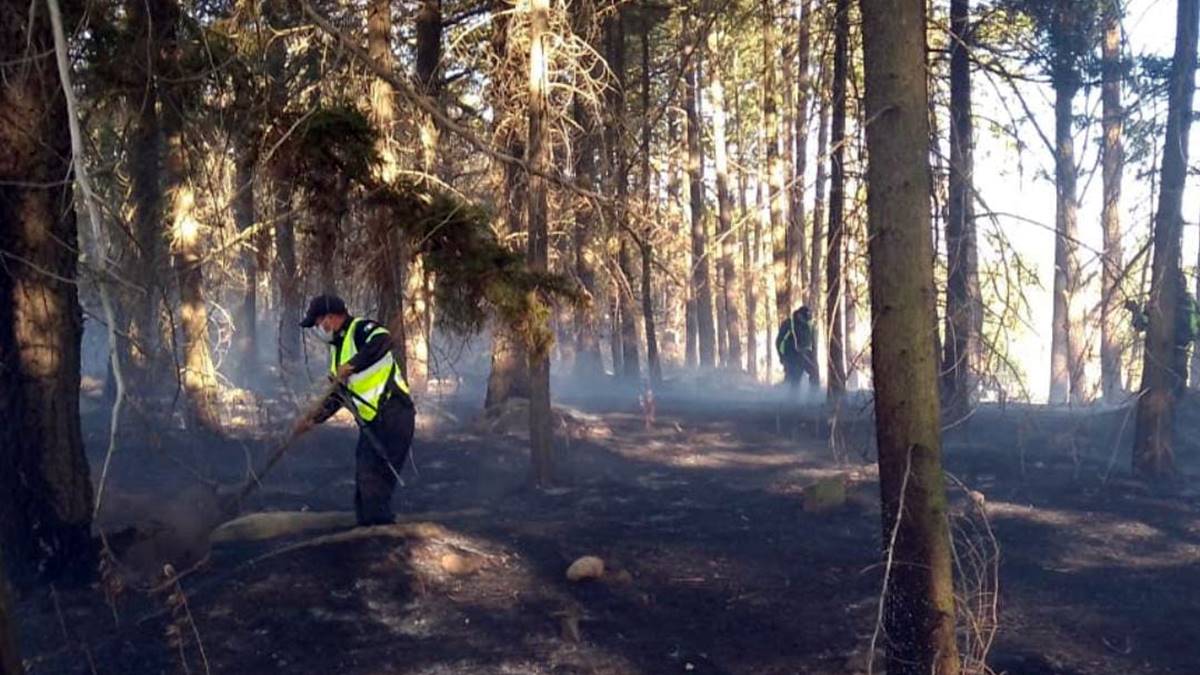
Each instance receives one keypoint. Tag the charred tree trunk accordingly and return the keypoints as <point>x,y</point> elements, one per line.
<point>46,513</point>
<point>1113,121</point>
<point>919,610</point>
<point>429,56</point>
<point>538,255</point>
<point>834,306</point>
<point>964,307</point>
<point>701,284</point>
<point>145,173</point>
<point>1163,377</point>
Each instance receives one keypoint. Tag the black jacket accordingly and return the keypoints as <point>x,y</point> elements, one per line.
<point>368,352</point>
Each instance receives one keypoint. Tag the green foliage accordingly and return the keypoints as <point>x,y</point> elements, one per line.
<point>477,277</point>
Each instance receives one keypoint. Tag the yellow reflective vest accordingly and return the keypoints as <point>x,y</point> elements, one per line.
<point>369,385</point>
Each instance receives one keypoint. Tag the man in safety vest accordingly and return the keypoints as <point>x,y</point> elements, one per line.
<point>371,385</point>
<point>794,344</point>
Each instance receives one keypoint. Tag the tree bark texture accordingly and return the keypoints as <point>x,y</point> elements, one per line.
<point>919,602</point>
<point>701,280</point>
<point>964,305</point>
<point>653,361</point>
<point>1113,155</point>
<point>46,515</point>
<point>538,254</point>
<point>834,300</point>
<point>729,297</point>
<point>1162,379</point>
<point>587,338</point>
<point>774,169</point>
<point>618,170</point>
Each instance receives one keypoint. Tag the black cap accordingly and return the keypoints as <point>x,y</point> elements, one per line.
<point>320,306</point>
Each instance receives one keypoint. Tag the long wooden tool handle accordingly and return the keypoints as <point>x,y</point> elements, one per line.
<point>253,482</point>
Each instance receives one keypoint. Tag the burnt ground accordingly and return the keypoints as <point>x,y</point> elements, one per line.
<point>714,564</point>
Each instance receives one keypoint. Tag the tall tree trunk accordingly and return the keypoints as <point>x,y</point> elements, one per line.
<point>749,278</point>
<point>588,363</point>
<point>618,175</point>
<point>509,375</point>
<point>1066,376</point>
<point>10,658</point>
<point>429,55</point>
<point>701,284</point>
<point>188,242</point>
<point>418,308</point>
<point>244,216</point>
<point>145,174</point>
<point>729,296</point>
<point>919,597</point>
<point>291,298</point>
<point>1162,373</point>
<point>834,307</point>
<point>538,156</point>
<point>653,362</point>
<point>800,148</point>
<point>774,169</point>
<point>818,243</point>
<point>964,307</point>
<point>1110,218</point>
<point>46,512</point>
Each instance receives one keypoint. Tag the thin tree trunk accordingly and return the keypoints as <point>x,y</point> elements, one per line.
<point>618,175</point>
<point>290,296</point>
<point>1066,375</point>
<point>1111,349</point>
<point>964,308</point>
<point>749,278</point>
<point>834,307</point>
<point>701,284</point>
<point>818,243</point>
<point>653,362</point>
<point>429,54</point>
<point>774,169</point>
<point>919,594</point>
<point>1162,378</point>
<point>724,205</point>
<point>46,512</point>
<point>588,363</point>
<point>800,148</point>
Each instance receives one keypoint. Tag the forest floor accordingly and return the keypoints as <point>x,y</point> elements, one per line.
<point>721,556</point>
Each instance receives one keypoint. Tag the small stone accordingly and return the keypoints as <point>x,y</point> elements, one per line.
<point>587,567</point>
<point>457,565</point>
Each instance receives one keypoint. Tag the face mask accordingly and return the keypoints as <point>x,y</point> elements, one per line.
<point>323,334</point>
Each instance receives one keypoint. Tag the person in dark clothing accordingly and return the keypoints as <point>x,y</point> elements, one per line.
<point>796,348</point>
<point>372,387</point>
<point>1187,327</point>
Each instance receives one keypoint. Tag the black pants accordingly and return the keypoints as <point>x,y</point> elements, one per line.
<point>393,429</point>
<point>799,365</point>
